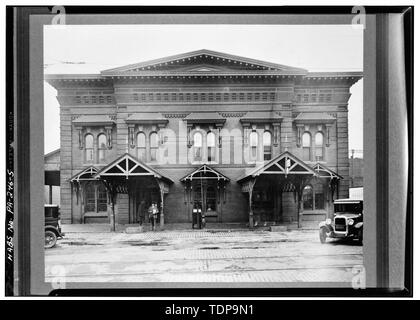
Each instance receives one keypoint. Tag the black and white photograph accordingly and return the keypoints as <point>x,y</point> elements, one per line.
<point>215,151</point>
<point>204,160</point>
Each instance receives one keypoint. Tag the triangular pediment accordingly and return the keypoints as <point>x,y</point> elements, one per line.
<point>202,61</point>
<point>86,174</point>
<point>284,164</point>
<point>205,172</point>
<point>128,166</point>
<point>325,172</point>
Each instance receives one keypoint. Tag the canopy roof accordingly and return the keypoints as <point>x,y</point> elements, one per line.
<point>284,164</point>
<point>205,172</point>
<point>128,166</point>
<point>325,172</point>
<point>86,174</point>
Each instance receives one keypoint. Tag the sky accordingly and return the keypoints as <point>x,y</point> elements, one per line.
<point>92,48</point>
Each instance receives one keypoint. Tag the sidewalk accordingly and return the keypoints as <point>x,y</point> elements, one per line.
<point>210,227</point>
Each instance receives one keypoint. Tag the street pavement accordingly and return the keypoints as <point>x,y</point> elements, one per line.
<point>202,256</point>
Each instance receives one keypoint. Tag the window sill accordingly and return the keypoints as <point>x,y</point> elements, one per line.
<point>96,214</point>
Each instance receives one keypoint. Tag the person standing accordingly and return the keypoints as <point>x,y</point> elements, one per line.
<point>153,212</point>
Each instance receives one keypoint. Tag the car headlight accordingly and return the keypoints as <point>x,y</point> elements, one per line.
<point>350,222</point>
<point>328,221</point>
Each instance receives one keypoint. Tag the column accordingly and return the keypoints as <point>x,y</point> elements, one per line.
<point>251,184</point>
<point>162,202</point>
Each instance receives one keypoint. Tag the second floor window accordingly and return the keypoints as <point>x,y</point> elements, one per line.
<point>267,145</point>
<point>101,147</point>
<point>319,146</point>
<point>153,146</point>
<point>306,146</point>
<point>253,144</point>
<point>197,145</point>
<point>211,146</point>
<point>89,148</point>
<point>141,146</point>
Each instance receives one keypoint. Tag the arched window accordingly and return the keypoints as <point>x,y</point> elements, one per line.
<point>253,143</point>
<point>211,146</point>
<point>308,198</point>
<point>141,146</point>
<point>319,146</point>
<point>306,145</point>
<point>101,147</point>
<point>89,148</point>
<point>153,146</point>
<point>198,145</point>
<point>267,145</point>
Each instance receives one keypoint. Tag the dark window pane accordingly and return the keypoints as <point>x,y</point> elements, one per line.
<point>308,198</point>
<point>90,200</point>
<point>211,154</point>
<point>102,200</point>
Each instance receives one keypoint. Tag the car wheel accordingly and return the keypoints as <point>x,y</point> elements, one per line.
<point>322,235</point>
<point>50,239</point>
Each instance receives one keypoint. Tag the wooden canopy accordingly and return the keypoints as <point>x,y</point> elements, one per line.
<point>325,172</point>
<point>128,166</point>
<point>284,164</point>
<point>205,172</point>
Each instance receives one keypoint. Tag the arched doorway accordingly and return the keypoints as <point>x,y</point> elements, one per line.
<point>205,187</point>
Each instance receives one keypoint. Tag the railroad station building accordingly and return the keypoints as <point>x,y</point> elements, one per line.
<point>249,141</point>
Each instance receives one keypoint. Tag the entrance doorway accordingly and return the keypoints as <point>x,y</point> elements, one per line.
<point>143,192</point>
<point>206,195</point>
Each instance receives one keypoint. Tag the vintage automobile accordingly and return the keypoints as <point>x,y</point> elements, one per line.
<point>347,222</point>
<point>52,225</point>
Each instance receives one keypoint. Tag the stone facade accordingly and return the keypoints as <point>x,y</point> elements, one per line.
<point>203,91</point>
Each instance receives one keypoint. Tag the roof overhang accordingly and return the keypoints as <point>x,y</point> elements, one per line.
<point>147,118</point>
<point>205,172</point>
<point>128,166</point>
<point>261,117</point>
<point>284,164</point>
<point>314,118</point>
<point>87,174</point>
<point>205,118</point>
<point>208,55</point>
<point>93,120</point>
<point>325,172</point>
